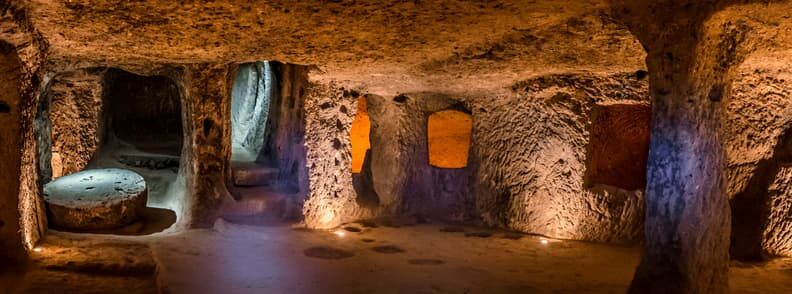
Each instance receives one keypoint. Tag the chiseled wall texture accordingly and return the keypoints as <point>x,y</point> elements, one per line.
<point>331,198</point>
<point>404,181</point>
<point>527,167</point>
<point>76,116</point>
<point>532,153</point>
<point>30,46</point>
<point>10,118</point>
<point>758,142</point>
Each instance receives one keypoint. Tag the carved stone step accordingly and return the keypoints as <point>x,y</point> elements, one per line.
<point>253,175</point>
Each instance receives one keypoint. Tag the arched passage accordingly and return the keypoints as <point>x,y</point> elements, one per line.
<point>250,105</point>
<point>145,111</point>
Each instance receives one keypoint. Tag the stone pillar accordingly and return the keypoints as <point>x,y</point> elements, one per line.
<point>687,211</point>
<point>687,215</point>
<point>206,117</point>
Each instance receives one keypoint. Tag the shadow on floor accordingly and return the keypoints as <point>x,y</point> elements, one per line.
<point>154,220</point>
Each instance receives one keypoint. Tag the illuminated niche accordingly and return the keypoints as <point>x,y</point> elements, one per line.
<point>361,127</point>
<point>449,133</point>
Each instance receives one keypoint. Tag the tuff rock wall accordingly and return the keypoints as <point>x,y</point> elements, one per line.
<point>10,139</point>
<point>331,198</point>
<point>206,152</point>
<point>527,166</point>
<point>533,150</point>
<point>758,141</point>
<point>76,114</point>
<point>404,181</point>
<point>29,47</point>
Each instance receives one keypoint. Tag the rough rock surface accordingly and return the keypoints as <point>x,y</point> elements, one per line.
<point>285,135</point>
<point>758,151</point>
<point>205,165</point>
<point>31,48</point>
<point>331,200</point>
<point>96,199</point>
<point>10,119</point>
<point>76,115</point>
<point>465,50</point>
<point>506,182</point>
<point>403,178</point>
<point>533,149</point>
<point>776,230</point>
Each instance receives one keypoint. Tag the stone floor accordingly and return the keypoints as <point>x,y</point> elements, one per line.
<point>233,258</point>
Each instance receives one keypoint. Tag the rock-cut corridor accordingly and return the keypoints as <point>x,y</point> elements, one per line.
<point>283,146</point>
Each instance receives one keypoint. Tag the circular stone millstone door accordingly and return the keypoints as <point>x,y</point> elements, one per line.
<point>96,199</point>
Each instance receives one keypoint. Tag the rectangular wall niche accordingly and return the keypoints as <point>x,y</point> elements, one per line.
<point>449,133</point>
<point>359,135</point>
<point>619,146</point>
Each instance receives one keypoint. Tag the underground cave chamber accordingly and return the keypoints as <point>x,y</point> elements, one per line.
<point>554,146</point>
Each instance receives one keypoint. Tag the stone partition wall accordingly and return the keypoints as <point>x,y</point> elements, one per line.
<point>76,115</point>
<point>533,149</point>
<point>17,31</point>
<point>404,180</point>
<point>206,118</point>
<point>10,153</point>
<point>331,199</point>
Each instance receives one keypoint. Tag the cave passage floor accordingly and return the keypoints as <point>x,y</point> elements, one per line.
<point>429,258</point>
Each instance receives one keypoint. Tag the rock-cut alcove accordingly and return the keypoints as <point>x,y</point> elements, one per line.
<point>102,128</point>
<point>359,135</point>
<point>619,146</point>
<point>449,135</point>
<point>420,151</point>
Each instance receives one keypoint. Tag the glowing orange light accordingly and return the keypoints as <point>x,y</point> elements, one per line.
<point>449,138</point>
<point>359,133</point>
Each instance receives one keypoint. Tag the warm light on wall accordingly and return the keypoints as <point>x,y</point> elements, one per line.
<point>449,138</point>
<point>359,134</point>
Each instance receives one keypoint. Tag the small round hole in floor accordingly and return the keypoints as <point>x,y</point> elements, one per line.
<point>326,252</point>
<point>388,249</point>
